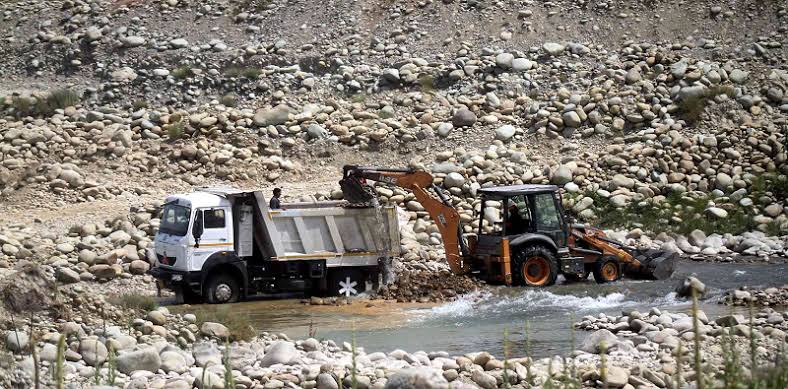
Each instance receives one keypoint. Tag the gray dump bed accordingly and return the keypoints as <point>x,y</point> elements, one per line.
<point>343,236</point>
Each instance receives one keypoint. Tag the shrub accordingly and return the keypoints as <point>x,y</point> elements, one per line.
<point>229,100</point>
<point>239,324</point>
<point>239,71</point>
<point>181,72</point>
<point>135,301</point>
<point>139,104</point>
<point>175,130</point>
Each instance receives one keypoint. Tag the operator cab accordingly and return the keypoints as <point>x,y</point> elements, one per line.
<point>523,209</point>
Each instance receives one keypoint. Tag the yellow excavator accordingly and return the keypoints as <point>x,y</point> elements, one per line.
<point>532,240</point>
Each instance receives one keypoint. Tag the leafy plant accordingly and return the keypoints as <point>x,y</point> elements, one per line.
<point>60,358</point>
<point>229,379</point>
<point>175,131</point>
<point>135,301</point>
<point>182,72</point>
<point>239,325</point>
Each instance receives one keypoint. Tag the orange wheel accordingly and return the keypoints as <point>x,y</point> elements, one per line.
<point>536,271</point>
<point>607,269</point>
<point>610,271</point>
<point>534,266</point>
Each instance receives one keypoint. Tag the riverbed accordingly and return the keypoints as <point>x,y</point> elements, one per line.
<point>478,321</point>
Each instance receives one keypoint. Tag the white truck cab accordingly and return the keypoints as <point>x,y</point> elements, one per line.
<point>223,245</point>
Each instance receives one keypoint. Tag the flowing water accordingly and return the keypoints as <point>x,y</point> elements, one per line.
<point>477,322</point>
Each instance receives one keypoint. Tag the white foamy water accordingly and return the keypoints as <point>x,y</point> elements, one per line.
<point>486,304</point>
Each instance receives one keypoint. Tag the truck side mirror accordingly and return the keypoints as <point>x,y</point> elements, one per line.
<point>197,228</point>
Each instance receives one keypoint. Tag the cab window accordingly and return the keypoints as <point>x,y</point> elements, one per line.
<point>547,217</point>
<point>213,218</point>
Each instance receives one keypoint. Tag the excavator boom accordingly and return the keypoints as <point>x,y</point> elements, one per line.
<point>440,209</point>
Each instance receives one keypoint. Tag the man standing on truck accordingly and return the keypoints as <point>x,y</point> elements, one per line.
<point>274,203</point>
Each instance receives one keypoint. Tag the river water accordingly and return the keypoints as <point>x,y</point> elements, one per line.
<point>477,322</point>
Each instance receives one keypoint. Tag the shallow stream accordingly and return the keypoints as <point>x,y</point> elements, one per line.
<point>477,322</point>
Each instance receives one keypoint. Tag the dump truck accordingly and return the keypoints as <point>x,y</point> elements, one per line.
<point>531,241</point>
<point>221,245</point>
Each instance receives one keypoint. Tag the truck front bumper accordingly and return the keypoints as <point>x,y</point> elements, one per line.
<point>177,279</point>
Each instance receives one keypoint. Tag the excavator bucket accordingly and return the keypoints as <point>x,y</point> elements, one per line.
<point>355,192</point>
<point>654,264</point>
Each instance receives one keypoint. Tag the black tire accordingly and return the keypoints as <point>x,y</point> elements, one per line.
<point>338,278</point>
<point>607,269</point>
<point>534,266</point>
<point>571,277</point>
<point>222,288</point>
<point>184,295</point>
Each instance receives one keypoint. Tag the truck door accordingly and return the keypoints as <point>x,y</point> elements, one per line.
<point>548,220</point>
<point>217,228</point>
<point>216,236</point>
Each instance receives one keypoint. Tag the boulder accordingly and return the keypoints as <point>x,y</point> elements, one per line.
<point>553,48</point>
<point>463,118</point>
<point>685,287</point>
<point>592,342</point>
<point>93,352</point>
<point>280,352</point>
<point>617,377</point>
<point>505,132</point>
<point>145,359</point>
<point>417,378</point>
<point>272,117</point>
<point>216,330</point>
<point>484,380</point>
<point>173,361</point>
<point>16,341</point>
<point>139,266</point>
<point>453,180</point>
<point>66,275</point>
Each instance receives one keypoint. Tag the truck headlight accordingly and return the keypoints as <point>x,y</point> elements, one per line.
<point>177,277</point>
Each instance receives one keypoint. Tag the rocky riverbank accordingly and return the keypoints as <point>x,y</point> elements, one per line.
<point>103,343</point>
<point>774,296</point>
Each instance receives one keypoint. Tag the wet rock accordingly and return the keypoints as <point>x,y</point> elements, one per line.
<point>592,343</point>
<point>686,286</point>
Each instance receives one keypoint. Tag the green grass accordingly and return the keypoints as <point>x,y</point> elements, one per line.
<point>135,301</point>
<point>44,105</point>
<point>175,131</point>
<point>658,217</point>
<point>239,325</point>
<point>242,71</point>
<point>182,72</point>
<point>140,104</point>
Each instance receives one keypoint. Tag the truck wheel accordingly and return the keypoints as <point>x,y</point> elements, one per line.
<point>222,288</point>
<point>346,282</point>
<point>184,295</point>
<point>535,266</point>
<point>607,269</point>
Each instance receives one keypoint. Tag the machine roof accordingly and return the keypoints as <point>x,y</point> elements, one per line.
<point>515,190</point>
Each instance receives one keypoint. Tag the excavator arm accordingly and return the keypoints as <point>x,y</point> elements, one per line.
<point>418,182</point>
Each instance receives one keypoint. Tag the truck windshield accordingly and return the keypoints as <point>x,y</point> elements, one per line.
<point>175,220</point>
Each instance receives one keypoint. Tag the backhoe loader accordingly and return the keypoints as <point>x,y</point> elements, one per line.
<point>532,240</point>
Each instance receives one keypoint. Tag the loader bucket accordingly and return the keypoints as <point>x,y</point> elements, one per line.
<point>654,264</point>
